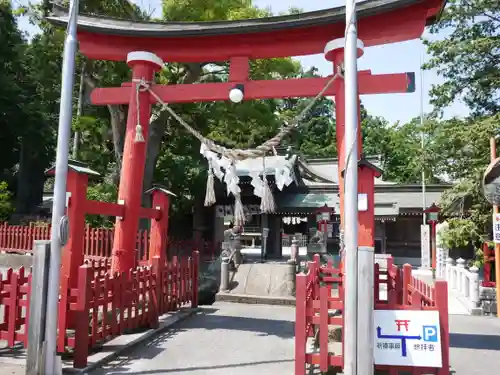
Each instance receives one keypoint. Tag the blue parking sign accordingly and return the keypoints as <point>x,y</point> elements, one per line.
<point>430,333</point>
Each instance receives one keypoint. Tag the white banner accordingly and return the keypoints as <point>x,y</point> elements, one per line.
<point>425,237</point>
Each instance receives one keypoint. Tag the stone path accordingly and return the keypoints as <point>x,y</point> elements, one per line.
<point>225,339</point>
<point>474,345</point>
<point>228,339</point>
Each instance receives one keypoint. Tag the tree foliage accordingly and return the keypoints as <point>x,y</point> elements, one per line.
<point>454,150</point>
<point>467,55</point>
<point>5,201</point>
<point>464,160</point>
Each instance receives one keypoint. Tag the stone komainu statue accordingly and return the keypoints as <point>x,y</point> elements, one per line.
<point>491,182</point>
<point>232,236</point>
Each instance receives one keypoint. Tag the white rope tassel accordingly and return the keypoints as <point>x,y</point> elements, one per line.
<point>139,136</point>
<point>267,204</point>
<point>239,214</point>
<point>210,193</point>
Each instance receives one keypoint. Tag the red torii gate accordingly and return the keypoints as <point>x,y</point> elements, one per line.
<point>238,42</point>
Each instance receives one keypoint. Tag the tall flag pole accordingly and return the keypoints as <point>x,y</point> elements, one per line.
<point>59,200</point>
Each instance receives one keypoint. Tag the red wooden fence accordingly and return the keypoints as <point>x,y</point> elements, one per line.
<point>102,306</point>
<point>15,290</point>
<point>320,291</point>
<point>98,242</point>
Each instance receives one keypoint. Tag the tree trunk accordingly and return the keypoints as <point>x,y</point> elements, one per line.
<point>31,179</point>
<point>118,126</point>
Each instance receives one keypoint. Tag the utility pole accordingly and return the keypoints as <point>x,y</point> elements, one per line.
<point>79,110</point>
<point>351,191</point>
<point>61,172</point>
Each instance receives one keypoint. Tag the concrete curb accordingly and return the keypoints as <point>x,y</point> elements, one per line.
<point>103,357</point>
<point>251,299</point>
<point>16,260</point>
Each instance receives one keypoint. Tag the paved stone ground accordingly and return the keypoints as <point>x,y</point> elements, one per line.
<point>225,339</point>
<point>11,369</point>
<point>242,339</point>
<point>475,345</point>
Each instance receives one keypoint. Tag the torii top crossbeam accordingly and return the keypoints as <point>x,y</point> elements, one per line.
<point>379,22</point>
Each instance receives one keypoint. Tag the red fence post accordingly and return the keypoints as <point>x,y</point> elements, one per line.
<point>323,329</point>
<point>85,295</point>
<point>194,276</point>
<point>159,227</point>
<point>155,302</point>
<point>315,269</point>
<point>13,301</point>
<point>441,288</point>
<point>406,282</point>
<point>64,313</point>
<point>300,323</point>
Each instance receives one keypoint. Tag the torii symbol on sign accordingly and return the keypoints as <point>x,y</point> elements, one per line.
<point>402,323</point>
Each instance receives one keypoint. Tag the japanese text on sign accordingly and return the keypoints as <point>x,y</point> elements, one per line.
<point>496,228</point>
<point>407,338</point>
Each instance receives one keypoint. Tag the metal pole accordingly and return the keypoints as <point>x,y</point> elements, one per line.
<point>351,190</point>
<point>79,110</point>
<point>496,210</point>
<point>366,299</point>
<point>38,307</point>
<point>422,136</point>
<point>61,171</point>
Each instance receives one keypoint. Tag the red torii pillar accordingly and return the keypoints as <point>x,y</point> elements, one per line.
<point>144,65</point>
<point>334,51</point>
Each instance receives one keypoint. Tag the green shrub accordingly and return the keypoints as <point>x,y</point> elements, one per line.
<point>6,207</point>
<point>101,192</point>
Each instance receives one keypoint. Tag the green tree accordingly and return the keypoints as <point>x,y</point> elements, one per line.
<point>463,153</point>
<point>11,49</point>
<point>5,201</point>
<point>24,126</point>
<point>315,136</point>
<point>468,55</point>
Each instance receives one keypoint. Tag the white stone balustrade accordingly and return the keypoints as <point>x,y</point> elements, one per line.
<point>465,282</point>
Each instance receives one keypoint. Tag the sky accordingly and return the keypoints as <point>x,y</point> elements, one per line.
<point>393,58</point>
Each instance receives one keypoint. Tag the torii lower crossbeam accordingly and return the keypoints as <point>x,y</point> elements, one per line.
<point>262,89</point>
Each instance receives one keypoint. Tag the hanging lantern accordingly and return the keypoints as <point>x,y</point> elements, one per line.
<point>324,214</point>
<point>432,213</point>
<point>491,182</point>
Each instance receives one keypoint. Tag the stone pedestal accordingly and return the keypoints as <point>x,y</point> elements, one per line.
<point>488,300</point>
<point>290,276</point>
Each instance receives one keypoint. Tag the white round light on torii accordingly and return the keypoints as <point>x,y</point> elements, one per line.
<point>237,93</point>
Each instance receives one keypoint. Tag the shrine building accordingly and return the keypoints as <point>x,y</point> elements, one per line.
<point>398,208</point>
